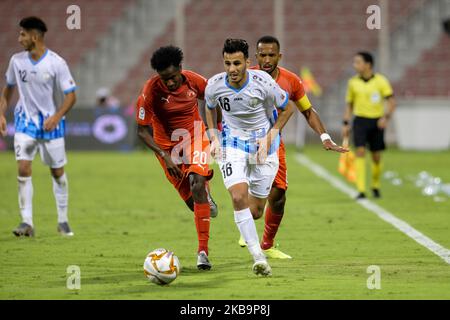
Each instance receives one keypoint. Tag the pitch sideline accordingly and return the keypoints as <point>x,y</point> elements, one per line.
<point>383,214</point>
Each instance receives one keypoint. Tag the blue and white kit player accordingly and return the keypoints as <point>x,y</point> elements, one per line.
<point>39,74</point>
<point>246,150</point>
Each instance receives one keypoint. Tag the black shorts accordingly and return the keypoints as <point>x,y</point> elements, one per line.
<point>366,131</point>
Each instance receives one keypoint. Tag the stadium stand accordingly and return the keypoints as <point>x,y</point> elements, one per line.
<point>97,17</point>
<point>321,35</point>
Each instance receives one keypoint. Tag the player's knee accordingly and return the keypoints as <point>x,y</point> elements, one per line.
<point>24,170</point>
<point>277,205</point>
<point>240,200</point>
<point>57,172</point>
<point>257,212</point>
<point>360,152</point>
<point>198,189</point>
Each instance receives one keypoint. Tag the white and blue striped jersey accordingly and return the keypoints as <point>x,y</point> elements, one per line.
<point>249,112</point>
<point>39,83</point>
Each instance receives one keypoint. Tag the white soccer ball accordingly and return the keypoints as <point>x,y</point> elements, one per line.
<point>161,266</point>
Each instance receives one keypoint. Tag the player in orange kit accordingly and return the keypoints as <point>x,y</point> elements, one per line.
<point>268,56</point>
<point>169,123</point>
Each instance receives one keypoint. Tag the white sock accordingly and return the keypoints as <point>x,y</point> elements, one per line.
<point>61,192</point>
<point>246,225</point>
<point>26,199</point>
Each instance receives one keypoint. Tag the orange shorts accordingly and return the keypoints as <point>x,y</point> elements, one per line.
<point>197,163</point>
<point>280,181</point>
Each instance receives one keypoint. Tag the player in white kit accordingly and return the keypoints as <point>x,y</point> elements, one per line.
<point>246,150</point>
<point>39,74</point>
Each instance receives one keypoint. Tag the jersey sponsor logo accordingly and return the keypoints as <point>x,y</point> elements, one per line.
<point>46,76</point>
<point>253,102</point>
<point>375,97</point>
<point>141,113</point>
<point>190,94</point>
<point>165,99</point>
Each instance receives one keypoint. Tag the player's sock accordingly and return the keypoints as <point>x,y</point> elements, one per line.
<point>376,174</point>
<point>272,222</point>
<point>360,164</point>
<point>202,221</point>
<point>61,192</point>
<point>246,225</point>
<point>26,199</point>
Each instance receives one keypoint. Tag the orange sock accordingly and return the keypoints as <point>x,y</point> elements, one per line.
<point>272,222</point>
<point>202,218</point>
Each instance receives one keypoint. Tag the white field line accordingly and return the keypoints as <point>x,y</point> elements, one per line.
<point>383,214</point>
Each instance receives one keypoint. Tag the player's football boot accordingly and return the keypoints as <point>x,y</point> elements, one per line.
<point>376,193</point>
<point>203,261</point>
<point>261,267</point>
<point>242,242</point>
<point>24,229</point>
<point>275,253</point>
<point>360,196</point>
<point>212,205</point>
<point>64,229</point>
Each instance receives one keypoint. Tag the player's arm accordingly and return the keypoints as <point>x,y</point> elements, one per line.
<point>68,86</point>
<point>5,98</point>
<point>391,105</point>
<point>283,116</point>
<point>212,131</point>
<point>313,119</point>
<point>346,120</point>
<point>69,100</point>
<point>145,133</point>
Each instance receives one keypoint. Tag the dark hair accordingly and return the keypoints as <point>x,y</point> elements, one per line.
<point>33,23</point>
<point>367,57</point>
<point>235,45</point>
<point>165,57</point>
<point>268,40</point>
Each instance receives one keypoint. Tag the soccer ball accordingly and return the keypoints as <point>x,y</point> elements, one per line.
<point>161,266</point>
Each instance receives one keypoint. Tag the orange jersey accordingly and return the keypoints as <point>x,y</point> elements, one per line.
<point>167,111</point>
<point>293,85</point>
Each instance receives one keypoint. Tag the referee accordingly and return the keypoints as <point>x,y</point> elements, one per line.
<point>366,93</point>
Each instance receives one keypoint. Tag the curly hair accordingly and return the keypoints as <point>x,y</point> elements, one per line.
<point>165,57</point>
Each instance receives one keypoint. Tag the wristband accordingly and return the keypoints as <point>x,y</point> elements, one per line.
<point>161,153</point>
<point>325,136</point>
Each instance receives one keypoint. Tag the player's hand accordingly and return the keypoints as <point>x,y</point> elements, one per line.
<point>3,126</point>
<point>172,168</point>
<point>382,123</point>
<point>330,145</point>
<point>215,148</point>
<point>263,146</point>
<point>346,131</point>
<point>51,123</point>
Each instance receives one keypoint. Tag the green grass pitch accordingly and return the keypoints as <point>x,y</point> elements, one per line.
<point>122,207</point>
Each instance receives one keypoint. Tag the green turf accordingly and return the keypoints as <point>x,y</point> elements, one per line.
<point>121,207</point>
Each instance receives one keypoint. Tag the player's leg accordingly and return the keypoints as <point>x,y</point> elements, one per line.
<point>202,218</point>
<point>376,173</point>
<point>234,170</point>
<point>244,221</point>
<point>25,150</point>
<point>275,209</point>
<point>360,140</point>
<point>53,154</point>
<point>272,221</point>
<point>377,145</point>
<point>261,177</point>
